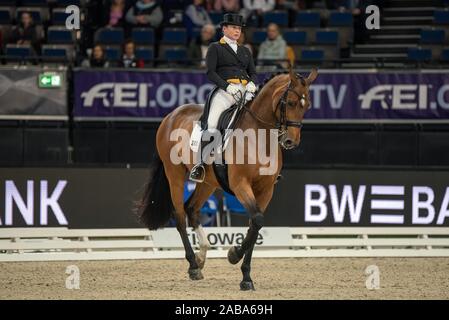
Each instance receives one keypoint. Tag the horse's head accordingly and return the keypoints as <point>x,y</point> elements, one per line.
<point>290,104</point>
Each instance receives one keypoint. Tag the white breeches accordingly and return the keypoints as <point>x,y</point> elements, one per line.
<point>220,102</point>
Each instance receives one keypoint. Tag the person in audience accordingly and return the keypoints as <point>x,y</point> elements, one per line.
<point>198,47</point>
<point>129,59</point>
<point>196,16</point>
<point>116,13</point>
<point>145,13</point>
<point>26,32</point>
<point>227,6</point>
<point>97,58</point>
<point>274,47</point>
<point>293,5</point>
<point>242,41</point>
<point>253,9</point>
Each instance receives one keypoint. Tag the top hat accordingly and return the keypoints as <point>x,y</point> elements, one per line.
<point>232,19</point>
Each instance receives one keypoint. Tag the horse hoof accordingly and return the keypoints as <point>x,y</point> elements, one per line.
<point>195,274</point>
<point>247,285</point>
<point>200,261</point>
<point>233,257</point>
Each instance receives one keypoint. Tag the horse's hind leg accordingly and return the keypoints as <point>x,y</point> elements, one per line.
<point>192,208</point>
<point>175,175</point>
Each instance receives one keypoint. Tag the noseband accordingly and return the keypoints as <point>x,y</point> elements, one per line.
<point>283,123</point>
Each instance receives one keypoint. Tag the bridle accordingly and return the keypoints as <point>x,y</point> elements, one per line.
<point>282,123</point>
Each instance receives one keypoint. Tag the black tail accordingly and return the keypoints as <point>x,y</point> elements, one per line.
<point>156,207</point>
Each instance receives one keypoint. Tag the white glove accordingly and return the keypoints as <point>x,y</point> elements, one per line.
<point>249,96</point>
<point>251,87</point>
<point>232,89</point>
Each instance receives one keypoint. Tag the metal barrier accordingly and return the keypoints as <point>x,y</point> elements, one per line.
<point>62,244</point>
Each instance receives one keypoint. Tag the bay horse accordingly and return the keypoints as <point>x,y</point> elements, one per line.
<point>280,104</point>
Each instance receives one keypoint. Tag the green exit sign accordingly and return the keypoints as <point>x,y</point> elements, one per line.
<point>50,80</point>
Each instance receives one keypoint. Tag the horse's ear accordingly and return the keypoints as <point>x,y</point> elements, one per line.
<point>293,77</point>
<point>312,76</point>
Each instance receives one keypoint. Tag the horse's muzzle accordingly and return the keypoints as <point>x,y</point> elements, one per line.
<point>288,144</point>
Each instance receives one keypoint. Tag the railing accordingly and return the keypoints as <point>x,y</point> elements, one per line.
<point>62,244</point>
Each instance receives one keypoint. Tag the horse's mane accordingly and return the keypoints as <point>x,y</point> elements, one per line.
<point>275,75</point>
<point>272,76</point>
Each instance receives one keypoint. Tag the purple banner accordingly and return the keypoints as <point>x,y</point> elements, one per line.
<point>334,96</point>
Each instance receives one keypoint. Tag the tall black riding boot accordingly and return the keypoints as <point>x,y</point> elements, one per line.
<point>198,172</point>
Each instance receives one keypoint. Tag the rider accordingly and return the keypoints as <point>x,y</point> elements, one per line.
<point>230,67</point>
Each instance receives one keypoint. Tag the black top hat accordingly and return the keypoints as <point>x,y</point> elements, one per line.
<point>233,19</point>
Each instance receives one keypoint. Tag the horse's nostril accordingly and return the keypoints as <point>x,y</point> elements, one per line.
<point>288,142</point>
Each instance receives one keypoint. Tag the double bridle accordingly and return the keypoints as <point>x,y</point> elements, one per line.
<point>283,123</point>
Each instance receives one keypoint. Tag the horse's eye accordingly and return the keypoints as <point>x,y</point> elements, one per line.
<point>291,103</point>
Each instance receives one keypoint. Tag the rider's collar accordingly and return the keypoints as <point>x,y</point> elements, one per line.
<point>225,40</point>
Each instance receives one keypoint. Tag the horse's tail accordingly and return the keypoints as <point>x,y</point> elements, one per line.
<point>156,207</point>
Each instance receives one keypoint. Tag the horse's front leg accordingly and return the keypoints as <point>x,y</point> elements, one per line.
<point>246,196</point>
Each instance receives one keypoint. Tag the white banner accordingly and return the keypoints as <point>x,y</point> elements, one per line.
<point>223,237</point>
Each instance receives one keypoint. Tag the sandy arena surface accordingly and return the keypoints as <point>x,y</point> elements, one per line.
<point>305,278</point>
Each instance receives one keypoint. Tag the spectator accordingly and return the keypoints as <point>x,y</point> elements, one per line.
<point>26,32</point>
<point>293,5</point>
<point>198,47</point>
<point>241,41</point>
<point>274,47</point>
<point>197,14</point>
<point>227,5</point>
<point>252,9</point>
<point>145,13</point>
<point>116,13</point>
<point>129,59</point>
<point>97,59</point>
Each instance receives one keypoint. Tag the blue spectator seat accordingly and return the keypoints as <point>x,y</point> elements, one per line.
<point>231,205</point>
<point>113,53</point>
<point>258,37</point>
<point>326,38</point>
<point>278,17</point>
<point>308,19</point>
<point>113,36</point>
<point>293,37</point>
<point>176,36</point>
<point>5,15</point>
<point>340,19</point>
<point>143,36</point>
<point>312,55</point>
<point>419,55</point>
<point>60,35</point>
<point>59,17</point>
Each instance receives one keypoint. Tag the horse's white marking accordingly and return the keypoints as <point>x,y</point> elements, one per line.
<point>202,239</point>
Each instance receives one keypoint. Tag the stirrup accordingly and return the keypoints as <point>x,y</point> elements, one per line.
<point>195,178</point>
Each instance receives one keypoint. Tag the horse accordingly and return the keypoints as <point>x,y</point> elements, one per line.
<point>280,106</point>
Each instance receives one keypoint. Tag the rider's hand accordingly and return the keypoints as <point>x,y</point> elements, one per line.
<point>232,89</point>
<point>251,87</point>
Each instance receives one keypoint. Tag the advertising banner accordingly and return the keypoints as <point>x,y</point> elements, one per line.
<point>333,96</point>
<point>104,198</point>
